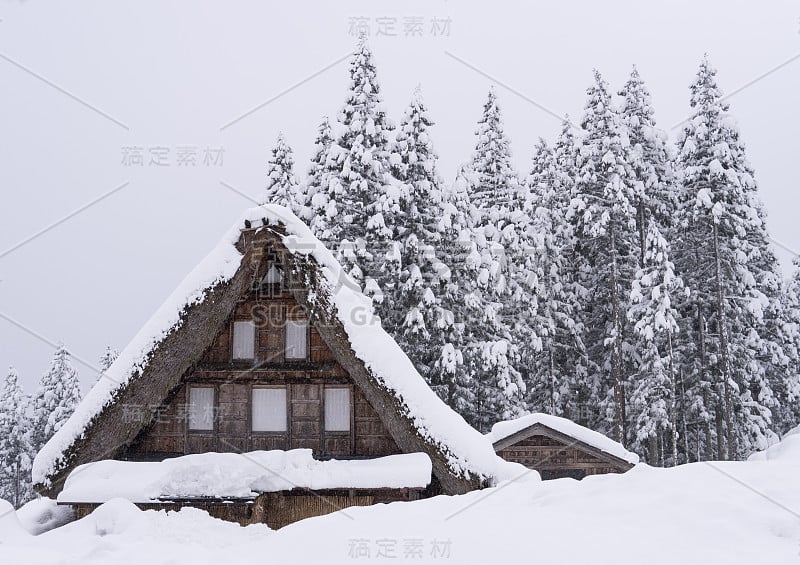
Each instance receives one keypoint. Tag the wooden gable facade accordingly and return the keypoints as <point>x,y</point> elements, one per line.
<point>557,455</point>
<point>286,368</point>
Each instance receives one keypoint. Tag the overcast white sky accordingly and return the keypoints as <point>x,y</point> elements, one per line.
<point>83,81</point>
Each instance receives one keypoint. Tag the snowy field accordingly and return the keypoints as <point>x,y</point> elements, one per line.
<point>728,513</point>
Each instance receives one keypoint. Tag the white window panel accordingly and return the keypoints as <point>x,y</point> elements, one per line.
<point>269,409</point>
<point>201,408</point>
<point>296,339</point>
<point>337,409</point>
<point>244,339</point>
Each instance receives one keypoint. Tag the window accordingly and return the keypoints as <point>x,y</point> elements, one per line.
<point>269,409</point>
<point>274,275</point>
<point>244,340</point>
<point>296,338</point>
<point>337,409</point>
<point>201,408</point>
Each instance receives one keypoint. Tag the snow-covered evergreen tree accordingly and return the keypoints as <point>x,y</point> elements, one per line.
<point>412,276</point>
<point>653,403</point>
<point>789,392</point>
<point>603,213</point>
<point>578,385</point>
<point>723,244</point>
<point>360,162</point>
<point>497,244</point>
<point>650,158</point>
<point>552,365</point>
<point>451,377</point>
<point>495,189</point>
<point>56,398</point>
<point>488,353</point>
<point>15,451</point>
<point>108,357</point>
<point>322,189</point>
<point>282,187</point>
<point>106,360</point>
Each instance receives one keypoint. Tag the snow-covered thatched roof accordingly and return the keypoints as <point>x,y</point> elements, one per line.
<point>184,326</point>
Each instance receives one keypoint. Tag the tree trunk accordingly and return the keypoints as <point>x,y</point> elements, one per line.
<point>723,350</point>
<point>684,414</point>
<point>703,372</point>
<point>642,231</point>
<point>616,361</point>
<point>652,450</point>
<point>552,384</point>
<point>16,483</point>
<point>674,422</point>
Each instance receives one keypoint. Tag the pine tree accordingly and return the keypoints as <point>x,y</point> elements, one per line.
<point>552,365</point>
<point>282,187</point>
<point>653,401</point>
<point>578,387</point>
<point>412,276</point>
<point>604,222</point>
<point>495,186</point>
<point>108,357</point>
<point>15,452</point>
<point>489,379</point>
<point>451,377</point>
<point>724,246</point>
<point>789,392</point>
<point>106,360</point>
<point>650,158</point>
<point>56,398</point>
<point>360,162</point>
<point>498,243</point>
<point>323,189</point>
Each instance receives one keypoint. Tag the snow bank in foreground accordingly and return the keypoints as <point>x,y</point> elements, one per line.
<point>10,529</point>
<point>468,453</point>
<point>43,514</point>
<point>786,451</point>
<point>238,475</point>
<point>502,430</point>
<point>733,513</point>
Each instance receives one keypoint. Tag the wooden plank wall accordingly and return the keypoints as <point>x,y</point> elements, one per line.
<point>555,459</point>
<point>233,382</point>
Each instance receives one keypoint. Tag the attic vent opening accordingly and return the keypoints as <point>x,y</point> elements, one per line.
<point>274,275</point>
<point>272,281</point>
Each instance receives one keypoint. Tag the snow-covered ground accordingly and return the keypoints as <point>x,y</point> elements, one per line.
<point>731,513</point>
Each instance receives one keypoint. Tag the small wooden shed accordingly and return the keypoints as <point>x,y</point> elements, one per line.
<point>559,448</point>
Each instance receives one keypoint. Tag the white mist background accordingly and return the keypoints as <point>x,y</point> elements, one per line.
<point>175,73</point>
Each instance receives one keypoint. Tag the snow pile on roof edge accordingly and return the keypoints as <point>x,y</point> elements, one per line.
<point>502,430</point>
<point>239,475</point>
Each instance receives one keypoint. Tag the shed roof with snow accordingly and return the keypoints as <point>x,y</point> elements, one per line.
<point>558,447</point>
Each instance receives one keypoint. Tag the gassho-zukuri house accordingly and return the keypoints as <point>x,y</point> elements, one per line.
<point>264,390</point>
